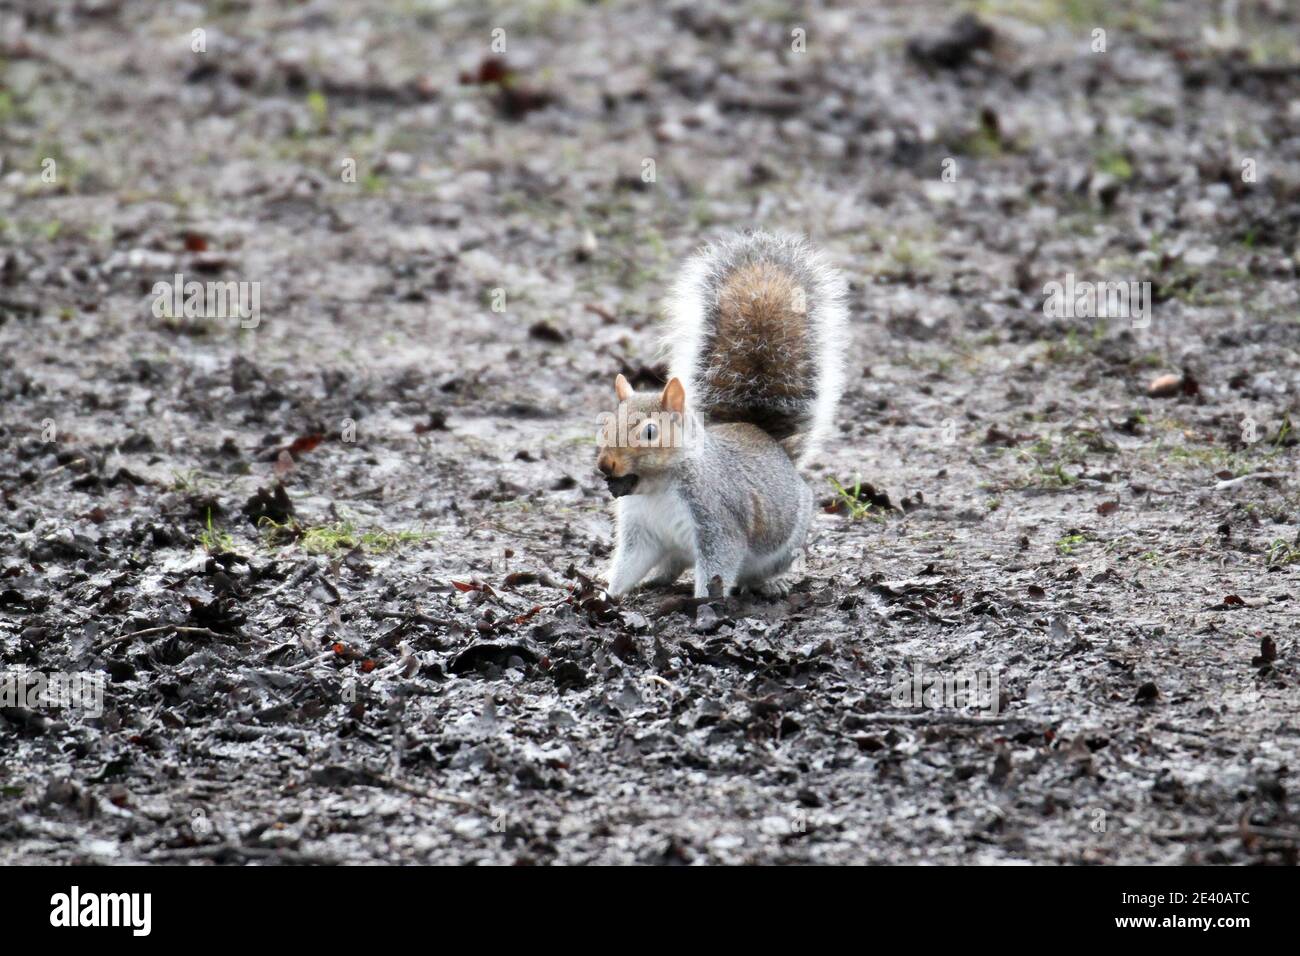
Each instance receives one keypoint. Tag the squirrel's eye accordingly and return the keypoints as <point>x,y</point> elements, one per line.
<point>650,432</point>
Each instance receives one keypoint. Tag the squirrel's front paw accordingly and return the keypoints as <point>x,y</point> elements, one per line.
<point>614,589</point>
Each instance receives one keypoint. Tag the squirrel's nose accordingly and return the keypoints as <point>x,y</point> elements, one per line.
<point>605,466</point>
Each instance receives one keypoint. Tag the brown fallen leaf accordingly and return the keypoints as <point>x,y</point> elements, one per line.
<point>347,652</point>
<point>492,70</point>
<point>1267,652</point>
<point>513,99</point>
<point>1147,693</point>
<point>304,443</point>
<point>437,423</point>
<point>996,436</point>
<point>464,586</point>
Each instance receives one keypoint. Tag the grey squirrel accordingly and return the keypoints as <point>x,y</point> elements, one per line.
<point>705,473</point>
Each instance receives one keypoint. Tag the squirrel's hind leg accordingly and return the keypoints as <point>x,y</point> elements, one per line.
<point>723,567</point>
<point>777,587</point>
<point>719,554</point>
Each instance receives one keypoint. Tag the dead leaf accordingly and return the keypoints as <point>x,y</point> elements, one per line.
<point>1267,652</point>
<point>304,443</point>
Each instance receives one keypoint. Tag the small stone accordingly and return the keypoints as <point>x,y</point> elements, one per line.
<point>1165,386</point>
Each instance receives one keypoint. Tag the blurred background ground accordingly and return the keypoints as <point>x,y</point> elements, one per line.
<point>397,657</point>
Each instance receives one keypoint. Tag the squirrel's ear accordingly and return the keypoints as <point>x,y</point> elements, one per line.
<point>674,398</point>
<point>622,389</point>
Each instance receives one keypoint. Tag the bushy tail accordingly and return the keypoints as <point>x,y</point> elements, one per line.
<point>757,333</point>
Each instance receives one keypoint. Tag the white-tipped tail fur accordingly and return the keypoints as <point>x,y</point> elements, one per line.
<point>757,331</point>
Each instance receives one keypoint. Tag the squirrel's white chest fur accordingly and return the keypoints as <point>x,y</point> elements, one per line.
<point>655,533</point>
<point>663,519</point>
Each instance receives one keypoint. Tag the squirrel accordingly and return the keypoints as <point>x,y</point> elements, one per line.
<point>706,472</point>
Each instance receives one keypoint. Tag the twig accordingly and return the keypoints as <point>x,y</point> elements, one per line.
<point>66,464</point>
<point>316,659</point>
<point>297,578</point>
<point>416,790</point>
<point>164,629</point>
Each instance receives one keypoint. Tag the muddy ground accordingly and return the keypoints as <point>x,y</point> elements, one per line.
<point>335,570</point>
